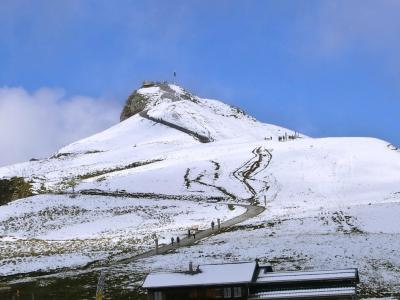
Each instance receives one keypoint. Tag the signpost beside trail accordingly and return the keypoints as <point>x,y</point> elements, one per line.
<point>100,287</point>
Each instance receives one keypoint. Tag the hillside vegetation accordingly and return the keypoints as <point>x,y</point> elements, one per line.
<point>13,189</point>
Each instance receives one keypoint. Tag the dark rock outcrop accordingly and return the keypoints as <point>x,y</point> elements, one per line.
<point>13,189</point>
<point>138,102</point>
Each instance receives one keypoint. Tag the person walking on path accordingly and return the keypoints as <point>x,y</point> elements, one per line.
<point>194,235</point>
<point>188,233</point>
<point>172,241</point>
<point>178,240</point>
<point>156,241</point>
<point>212,225</point>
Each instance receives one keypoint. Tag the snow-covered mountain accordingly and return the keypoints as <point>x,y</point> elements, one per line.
<point>172,129</point>
<point>175,160</point>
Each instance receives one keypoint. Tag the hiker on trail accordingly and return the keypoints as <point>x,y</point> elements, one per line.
<point>194,235</point>
<point>188,233</point>
<point>212,225</point>
<point>172,241</point>
<point>178,240</point>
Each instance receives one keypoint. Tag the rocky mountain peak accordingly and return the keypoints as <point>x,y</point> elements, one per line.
<point>150,94</point>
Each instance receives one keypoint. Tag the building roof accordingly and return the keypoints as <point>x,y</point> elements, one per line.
<point>216,274</point>
<point>276,277</point>
<point>305,293</point>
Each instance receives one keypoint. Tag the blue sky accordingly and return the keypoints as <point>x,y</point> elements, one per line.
<point>324,68</point>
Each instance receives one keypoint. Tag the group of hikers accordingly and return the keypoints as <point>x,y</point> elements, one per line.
<point>178,240</point>
<point>286,137</point>
<point>192,233</point>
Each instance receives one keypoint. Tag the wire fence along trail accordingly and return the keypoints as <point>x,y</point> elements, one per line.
<point>201,138</point>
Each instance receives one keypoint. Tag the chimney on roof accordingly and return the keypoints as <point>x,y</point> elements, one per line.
<point>268,268</point>
<point>190,267</point>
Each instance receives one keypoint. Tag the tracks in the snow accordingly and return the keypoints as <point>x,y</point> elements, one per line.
<point>247,172</point>
<point>212,177</point>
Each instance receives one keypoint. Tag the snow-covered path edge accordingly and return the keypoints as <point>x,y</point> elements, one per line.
<point>251,212</point>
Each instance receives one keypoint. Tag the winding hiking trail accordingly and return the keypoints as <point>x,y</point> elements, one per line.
<point>251,212</point>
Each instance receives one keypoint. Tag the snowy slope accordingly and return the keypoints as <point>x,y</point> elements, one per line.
<point>208,117</point>
<point>75,231</point>
<point>331,202</point>
<point>139,140</point>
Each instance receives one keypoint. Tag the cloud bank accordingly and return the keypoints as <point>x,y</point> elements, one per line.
<point>35,125</point>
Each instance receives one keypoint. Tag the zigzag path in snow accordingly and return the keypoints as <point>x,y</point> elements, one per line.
<point>251,168</point>
<point>244,174</point>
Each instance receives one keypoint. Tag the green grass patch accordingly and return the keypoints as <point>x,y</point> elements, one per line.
<point>13,189</point>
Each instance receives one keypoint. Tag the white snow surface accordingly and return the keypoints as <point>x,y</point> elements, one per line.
<point>40,230</point>
<point>43,263</point>
<point>331,202</point>
<point>305,276</point>
<point>288,294</point>
<point>209,274</point>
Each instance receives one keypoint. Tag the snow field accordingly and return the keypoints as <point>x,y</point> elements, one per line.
<point>323,240</point>
<point>331,202</point>
<point>91,227</point>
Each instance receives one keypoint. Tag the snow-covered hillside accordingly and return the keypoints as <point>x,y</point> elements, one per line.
<point>177,161</point>
<point>139,140</point>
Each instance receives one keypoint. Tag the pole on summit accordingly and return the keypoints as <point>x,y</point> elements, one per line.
<point>174,77</point>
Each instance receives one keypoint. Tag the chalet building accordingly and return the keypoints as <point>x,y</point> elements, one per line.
<point>251,281</point>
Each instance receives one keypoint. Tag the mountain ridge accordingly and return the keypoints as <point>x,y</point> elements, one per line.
<point>327,200</point>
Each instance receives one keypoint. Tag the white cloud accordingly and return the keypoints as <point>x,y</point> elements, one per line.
<point>37,124</point>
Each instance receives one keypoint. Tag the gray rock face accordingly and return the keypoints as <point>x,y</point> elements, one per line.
<point>137,102</point>
<point>134,104</point>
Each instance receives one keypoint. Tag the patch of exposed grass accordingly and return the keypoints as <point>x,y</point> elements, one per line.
<point>13,189</point>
